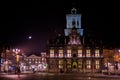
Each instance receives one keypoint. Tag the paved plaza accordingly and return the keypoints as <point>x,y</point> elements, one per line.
<point>58,76</point>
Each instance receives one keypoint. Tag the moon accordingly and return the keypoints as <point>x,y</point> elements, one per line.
<point>30,37</point>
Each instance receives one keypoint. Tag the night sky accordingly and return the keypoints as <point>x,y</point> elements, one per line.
<point>43,20</point>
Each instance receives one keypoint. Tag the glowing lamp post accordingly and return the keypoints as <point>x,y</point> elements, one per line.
<point>16,51</point>
<point>119,55</point>
<point>119,50</point>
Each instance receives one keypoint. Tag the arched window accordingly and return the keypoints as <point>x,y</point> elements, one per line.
<point>73,23</point>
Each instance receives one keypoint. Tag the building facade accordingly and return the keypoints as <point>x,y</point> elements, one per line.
<point>112,58</point>
<point>69,53</point>
<point>35,62</point>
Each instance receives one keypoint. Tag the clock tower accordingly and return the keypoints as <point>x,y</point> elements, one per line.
<point>73,19</point>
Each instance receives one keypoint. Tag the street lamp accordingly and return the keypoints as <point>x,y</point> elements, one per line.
<point>17,51</point>
<point>119,50</point>
<point>118,56</point>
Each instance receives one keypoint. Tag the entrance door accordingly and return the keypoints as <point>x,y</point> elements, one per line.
<point>74,65</point>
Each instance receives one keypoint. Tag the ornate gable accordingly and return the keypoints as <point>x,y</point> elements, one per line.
<point>74,37</point>
<point>33,56</point>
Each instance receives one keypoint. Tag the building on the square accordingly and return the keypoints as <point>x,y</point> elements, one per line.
<point>112,58</point>
<point>36,62</point>
<point>70,52</point>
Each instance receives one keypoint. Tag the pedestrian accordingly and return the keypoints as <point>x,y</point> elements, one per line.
<point>33,68</point>
<point>18,71</point>
<point>15,69</point>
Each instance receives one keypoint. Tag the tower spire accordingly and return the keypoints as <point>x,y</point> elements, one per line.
<point>73,10</point>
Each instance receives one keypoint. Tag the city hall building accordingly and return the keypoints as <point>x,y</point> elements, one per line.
<point>70,52</point>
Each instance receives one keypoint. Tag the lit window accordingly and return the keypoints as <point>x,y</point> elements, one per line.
<point>68,53</point>
<point>68,66</point>
<point>60,66</point>
<point>97,64</point>
<point>79,53</point>
<point>42,59</point>
<point>97,53</point>
<point>88,53</point>
<point>45,59</point>
<point>60,53</point>
<point>52,53</point>
<point>33,59</point>
<point>80,64</point>
<point>60,63</point>
<point>68,61</point>
<point>88,64</point>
